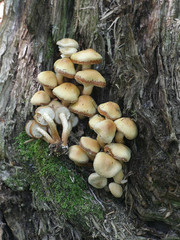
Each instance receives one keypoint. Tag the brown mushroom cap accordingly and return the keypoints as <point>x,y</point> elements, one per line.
<point>40,98</point>
<point>127,126</point>
<point>105,165</point>
<point>65,67</point>
<point>67,92</point>
<point>85,106</point>
<point>106,130</point>
<point>97,181</point>
<point>68,42</point>
<point>77,154</point>
<point>95,119</point>
<point>118,151</point>
<point>47,79</point>
<point>88,56</point>
<point>110,110</point>
<point>90,145</point>
<point>115,189</point>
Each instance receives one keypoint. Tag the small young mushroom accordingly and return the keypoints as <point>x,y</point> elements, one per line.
<point>106,131</point>
<point>95,119</point>
<point>40,98</point>
<point>85,106</point>
<point>48,80</point>
<point>64,67</point>
<point>78,155</point>
<point>38,131</point>
<point>44,116</point>
<point>67,92</point>
<point>110,110</point>
<point>67,42</point>
<point>90,78</point>
<point>115,189</point>
<point>118,177</point>
<point>97,181</point>
<point>86,58</point>
<point>90,146</point>
<point>66,52</point>
<point>105,165</point>
<point>118,151</point>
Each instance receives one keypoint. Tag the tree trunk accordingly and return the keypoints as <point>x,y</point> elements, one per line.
<point>138,41</point>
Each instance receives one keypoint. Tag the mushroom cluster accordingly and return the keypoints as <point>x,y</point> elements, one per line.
<point>65,99</point>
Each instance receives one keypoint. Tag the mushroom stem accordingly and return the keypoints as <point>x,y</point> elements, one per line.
<point>86,66</point>
<point>87,90</point>
<point>119,137</point>
<point>48,91</point>
<point>101,143</point>
<point>53,127</point>
<point>66,128</point>
<point>45,135</point>
<point>65,103</point>
<point>59,77</point>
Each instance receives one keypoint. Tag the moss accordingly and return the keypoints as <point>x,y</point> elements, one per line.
<point>51,180</point>
<point>50,48</point>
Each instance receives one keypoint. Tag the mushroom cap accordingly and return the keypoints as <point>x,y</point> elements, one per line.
<point>90,77</point>
<point>105,165</point>
<point>48,79</point>
<point>65,67</point>
<point>118,151</point>
<point>61,109</point>
<point>34,127</point>
<point>67,51</point>
<point>85,106</point>
<point>106,130</point>
<point>118,177</point>
<point>88,56</point>
<point>67,42</point>
<point>39,114</point>
<point>54,104</point>
<point>40,98</point>
<point>27,127</point>
<point>127,126</point>
<point>97,181</point>
<point>67,92</point>
<point>90,145</point>
<point>110,110</point>
<point>77,154</point>
<point>115,189</point>
<point>95,119</point>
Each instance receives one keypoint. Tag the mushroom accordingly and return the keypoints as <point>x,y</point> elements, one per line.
<point>118,177</point>
<point>119,137</point>
<point>90,78</point>
<point>67,92</point>
<point>78,155</point>
<point>27,127</point>
<point>40,98</point>
<point>85,106</point>
<point>95,119</point>
<point>118,151</point>
<point>86,58</point>
<point>44,116</point>
<point>106,131</point>
<point>90,146</point>
<point>105,165</point>
<point>67,42</point>
<point>127,127</point>
<point>48,80</point>
<point>115,189</point>
<point>64,67</point>
<point>38,131</point>
<point>110,110</point>
<point>97,181</point>
<point>66,52</point>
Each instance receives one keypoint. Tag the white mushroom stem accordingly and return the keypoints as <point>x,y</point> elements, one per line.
<point>45,135</point>
<point>59,77</point>
<point>67,127</point>
<point>87,90</point>
<point>52,127</point>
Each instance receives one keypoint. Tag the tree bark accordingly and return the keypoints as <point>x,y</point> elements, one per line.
<point>139,42</point>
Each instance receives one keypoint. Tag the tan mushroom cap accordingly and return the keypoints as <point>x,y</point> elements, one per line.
<point>65,67</point>
<point>118,177</point>
<point>110,110</point>
<point>40,98</point>
<point>127,126</point>
<point>95,119</point>
<point>115,189</point>
<point>106,130</point>
<point>118,151</point>
<point>67,92</point>
<point>68,42</point>
<point>47,79</point>
<point>97,181</point>
<point>105,165</point>
<point>90,145</point>
<point>67,51</point>
<point>77,154</point>
<point>88,56</point>
<point>85,106</point>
